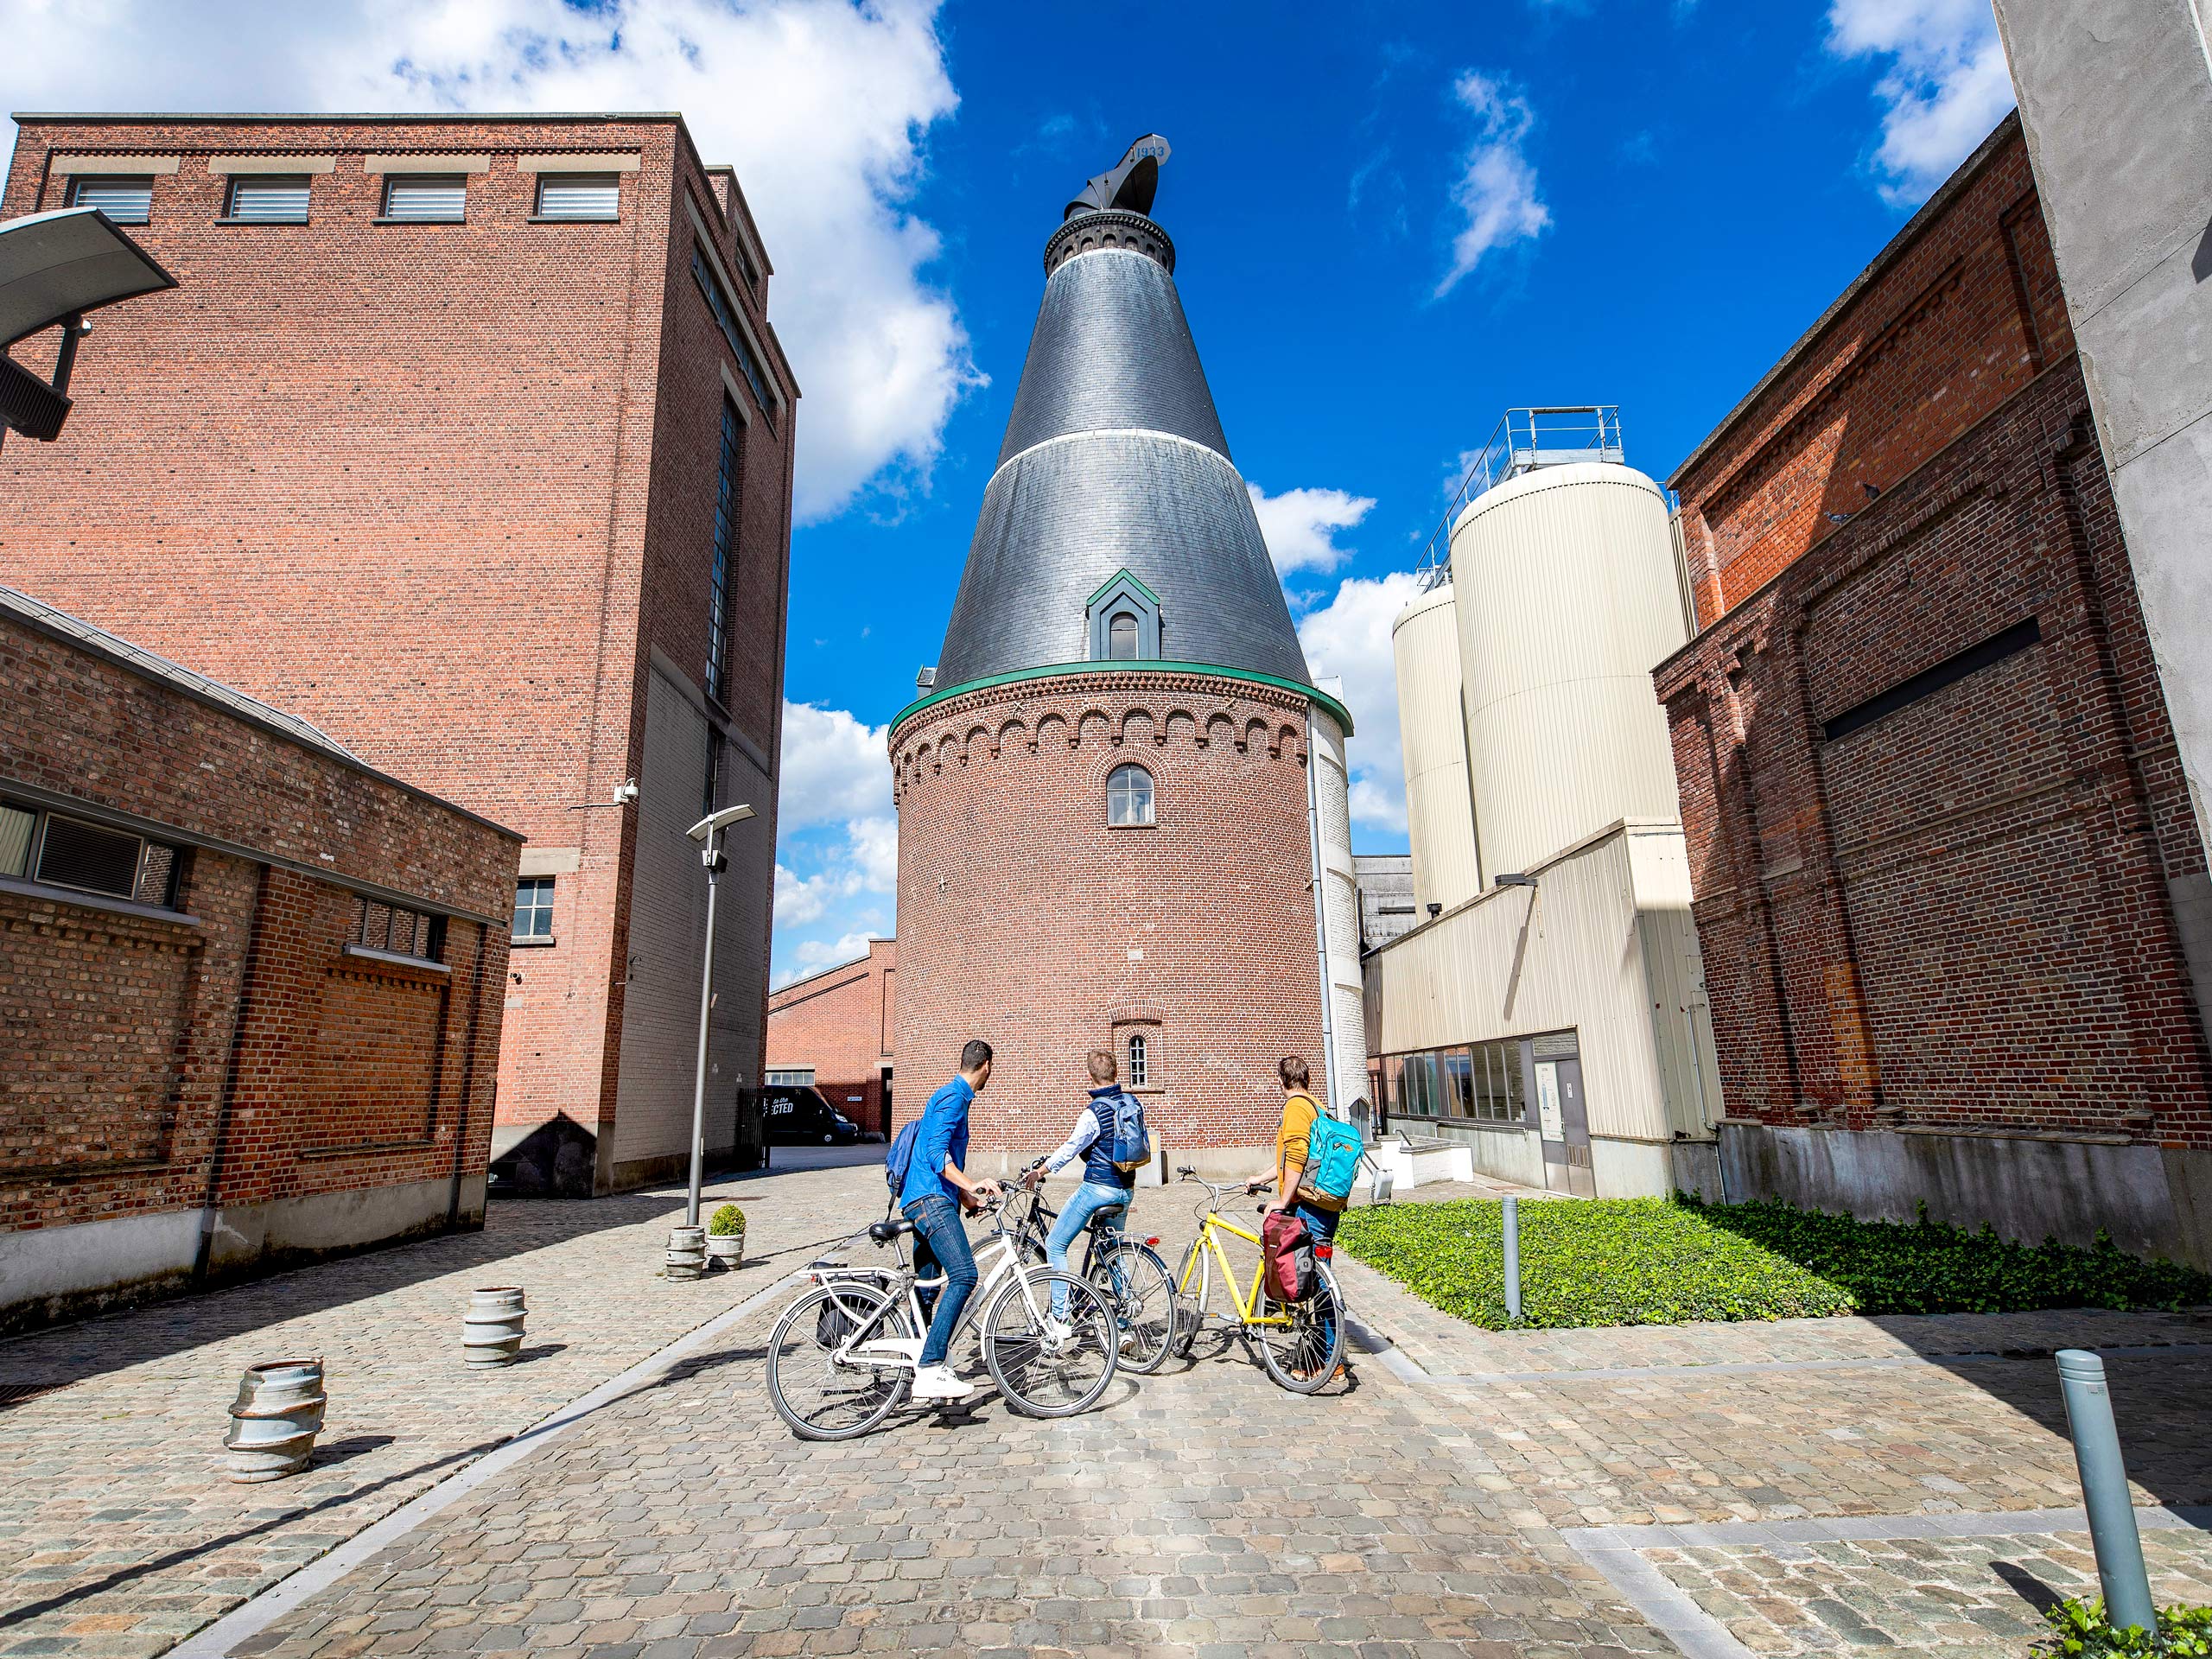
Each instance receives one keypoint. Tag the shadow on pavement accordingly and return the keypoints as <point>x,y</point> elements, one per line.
<point>208,1546</point>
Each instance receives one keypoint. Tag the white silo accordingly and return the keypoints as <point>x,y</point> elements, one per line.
<point>1432,733</point>
<point>1336,906</point>
<point>1564,584</point>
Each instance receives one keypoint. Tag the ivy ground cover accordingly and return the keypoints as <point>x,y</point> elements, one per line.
<point>1673,1260</point>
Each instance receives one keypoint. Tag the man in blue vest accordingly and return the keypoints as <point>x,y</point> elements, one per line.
<point>937,1191</point>
<point>1107,1188</point>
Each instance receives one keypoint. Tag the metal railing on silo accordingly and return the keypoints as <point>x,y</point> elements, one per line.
<point>1524,439</point>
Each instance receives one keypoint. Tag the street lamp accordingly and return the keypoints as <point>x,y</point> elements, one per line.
<point>707,832</point>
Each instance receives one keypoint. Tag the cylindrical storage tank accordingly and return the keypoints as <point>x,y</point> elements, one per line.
<point>1564,581</point>
<point>1433,735</point>
<point>1340,890</point>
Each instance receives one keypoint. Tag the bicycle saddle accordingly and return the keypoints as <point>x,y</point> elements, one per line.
<point>884,1231</point>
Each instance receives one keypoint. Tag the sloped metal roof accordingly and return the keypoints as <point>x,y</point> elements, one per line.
<point>1115,459</point>
<point>42,615</point>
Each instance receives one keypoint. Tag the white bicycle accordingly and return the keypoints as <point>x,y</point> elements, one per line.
<point>842,1357</point>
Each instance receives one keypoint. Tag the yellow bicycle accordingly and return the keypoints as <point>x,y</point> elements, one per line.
<point>1299,1343</point>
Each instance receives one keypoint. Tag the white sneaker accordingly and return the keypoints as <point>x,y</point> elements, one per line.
<point>1129,1342</point>
<point>937,1382</point>
<point>1058,1333</point>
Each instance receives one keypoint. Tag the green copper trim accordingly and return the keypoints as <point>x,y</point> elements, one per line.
<point>1132,578</point>
<point>1336,710</point>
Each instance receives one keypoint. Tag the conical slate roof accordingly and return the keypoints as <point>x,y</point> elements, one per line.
<point>1114,460</point>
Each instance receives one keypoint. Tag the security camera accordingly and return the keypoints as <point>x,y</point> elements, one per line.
<point>716,822</point>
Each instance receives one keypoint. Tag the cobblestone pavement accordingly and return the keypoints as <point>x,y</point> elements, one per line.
<point>119,1534</point>
<point>1962,1597</point>
<point>1199,1512</point>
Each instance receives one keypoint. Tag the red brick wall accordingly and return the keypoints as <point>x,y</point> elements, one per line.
<point>842,1022</point>
<point>1965,312</point>
<point>1027,920</point>
<point>439,489</point>
<point>232,1052</point>
<point>1954,918</point>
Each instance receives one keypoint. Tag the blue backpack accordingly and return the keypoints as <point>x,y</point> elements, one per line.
<point>900,1158</point>
<point>1332,1154</point>
<point>1129,1145</point>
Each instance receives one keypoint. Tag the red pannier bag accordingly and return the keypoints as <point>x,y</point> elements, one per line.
<point>1287,1249</point>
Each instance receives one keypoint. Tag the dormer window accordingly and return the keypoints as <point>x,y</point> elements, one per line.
<point>1124,617</point>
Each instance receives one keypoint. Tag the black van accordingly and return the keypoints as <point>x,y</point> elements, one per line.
<point>798,1116</point>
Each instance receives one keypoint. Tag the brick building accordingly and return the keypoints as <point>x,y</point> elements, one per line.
<point>1121,798</point>
<point>250,987</point>
<point>836,1028</point>
<point>1937,821</point>
<point>470,440</point>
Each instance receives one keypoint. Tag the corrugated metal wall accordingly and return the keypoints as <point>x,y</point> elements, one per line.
<point>1573,952</point>
<point>1432,730</point>
<point>1564,585</point>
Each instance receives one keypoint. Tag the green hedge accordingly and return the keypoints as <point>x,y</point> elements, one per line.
<point>1671,1261</point>
<point>2080,1629</point>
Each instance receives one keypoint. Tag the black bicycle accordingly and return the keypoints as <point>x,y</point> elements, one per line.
<point>1128,1272</point>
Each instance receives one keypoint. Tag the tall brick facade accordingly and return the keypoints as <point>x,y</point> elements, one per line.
<point>453,491</point>
<point>1028,919</point>
<point>841,1024</point>
<point>215,1074</point>
<point>1934,811</point>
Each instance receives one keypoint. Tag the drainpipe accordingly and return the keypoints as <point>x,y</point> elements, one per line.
<point>1336,1100</point>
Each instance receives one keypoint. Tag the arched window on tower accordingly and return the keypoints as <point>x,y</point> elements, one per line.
<point>1128,796</point>
<point>1121,638</point>
<point>1139,1070</point>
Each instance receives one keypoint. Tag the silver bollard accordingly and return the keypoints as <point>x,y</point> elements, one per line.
<point>2104,1490</point>
<point>1513,1259</point>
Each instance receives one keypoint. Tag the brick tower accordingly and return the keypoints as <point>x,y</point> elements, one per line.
<point>1109,834</point>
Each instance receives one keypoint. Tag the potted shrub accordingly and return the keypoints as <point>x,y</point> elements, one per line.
<point>725,1236</point>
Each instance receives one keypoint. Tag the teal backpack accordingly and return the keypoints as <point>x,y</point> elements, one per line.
<point>1332,1154</point>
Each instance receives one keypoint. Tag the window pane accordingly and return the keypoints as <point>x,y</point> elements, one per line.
<point>443,197</point>
<point>579,195</point>
<point>1137,1059</point>
<point>127,201</point>
<point>725,550</point>
<point>1460,1084</point>
<point>1517,1102</point>
<point>89,858</point>
<point>270,198</point>
<point>1121,638</point>
<point>15,827</point>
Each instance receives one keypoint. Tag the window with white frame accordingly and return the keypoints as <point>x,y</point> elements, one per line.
<point>1128,796</point>
<point>426,198</point>
<point>268,198</point>
<point>1139,1068</point>
<point>61,851</point>
<point>126,197</point>
<point>580,195</point>
<point>533,907</point>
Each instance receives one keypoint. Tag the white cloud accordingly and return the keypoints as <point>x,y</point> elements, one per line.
<point>834,767</point>
<point>824,105</point>
<point>1496,189</point>
<point>1299,526</point>
<point>1944,83</point>
<point>814,955</point>
<point>1351,636</point>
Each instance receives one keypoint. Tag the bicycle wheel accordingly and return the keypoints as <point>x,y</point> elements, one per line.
<point>1041,1377</point>
<point>1302,1355</point>
<point>820,1396</point>
<point>1141,1293</point>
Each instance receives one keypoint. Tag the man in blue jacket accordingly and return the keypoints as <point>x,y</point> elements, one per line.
<point>937,1191</point>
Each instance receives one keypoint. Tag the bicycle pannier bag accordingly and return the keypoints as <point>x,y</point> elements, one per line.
<point>1131,1147</point>
<point>900,1158</point>
<point>1288,1248</point>
<point>832,1324</point>
<point>1332,1152</point>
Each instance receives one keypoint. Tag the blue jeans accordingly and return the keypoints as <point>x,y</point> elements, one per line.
<point>941,1243</point>
<point>1322,1224</point>
<point>1091,1199</point>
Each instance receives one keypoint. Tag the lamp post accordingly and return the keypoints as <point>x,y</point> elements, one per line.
<point>707,832</point>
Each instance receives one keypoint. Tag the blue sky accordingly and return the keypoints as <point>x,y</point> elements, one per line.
<point>1394,222</point>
